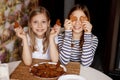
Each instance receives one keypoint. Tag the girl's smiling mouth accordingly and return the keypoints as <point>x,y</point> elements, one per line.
<point>39,30</point>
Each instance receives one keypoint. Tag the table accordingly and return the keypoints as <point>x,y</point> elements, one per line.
<point>22,71</point>
<point>87,72</point>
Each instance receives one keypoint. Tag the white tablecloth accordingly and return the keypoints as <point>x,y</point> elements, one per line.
<point>13,65</point>
<point>87,72</point>
<point>90,73</point>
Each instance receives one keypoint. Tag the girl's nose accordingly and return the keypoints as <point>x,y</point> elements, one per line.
<point>39,25</point>
<point>78,21</point>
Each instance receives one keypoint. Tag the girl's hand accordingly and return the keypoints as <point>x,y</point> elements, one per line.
<point>87,26</point>
<point>20,32</point>
<point>68,24</point>
<point>55,31</point>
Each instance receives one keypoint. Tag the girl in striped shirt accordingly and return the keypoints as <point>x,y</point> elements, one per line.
<point>77,43</point>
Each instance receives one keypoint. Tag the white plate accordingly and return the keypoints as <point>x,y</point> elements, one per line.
<point>71,77</point>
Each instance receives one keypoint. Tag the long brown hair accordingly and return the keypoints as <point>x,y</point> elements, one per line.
<point>33,13</point>
<point>86,11</point>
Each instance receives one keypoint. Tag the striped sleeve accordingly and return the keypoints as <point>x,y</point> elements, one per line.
<point>65,47</point>
<point>88,49</point>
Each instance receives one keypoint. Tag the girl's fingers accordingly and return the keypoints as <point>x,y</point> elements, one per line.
<point>18,28</point>
<point>57,28</point>
<point>68,24</point>
<point>52,31</point>
<point>19,31</point>
<point>87,26</point>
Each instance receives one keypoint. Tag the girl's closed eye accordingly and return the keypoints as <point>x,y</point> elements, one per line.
<point>34,21</point>
<point>44,21</point>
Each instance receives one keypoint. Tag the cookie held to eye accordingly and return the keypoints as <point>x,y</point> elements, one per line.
<point>73,18</point>
<point>58,22</point>
<point>82,18</point>
<point>16,25</point>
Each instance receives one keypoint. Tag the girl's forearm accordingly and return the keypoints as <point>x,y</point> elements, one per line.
<point>53,50</point>
<point>26,54</point>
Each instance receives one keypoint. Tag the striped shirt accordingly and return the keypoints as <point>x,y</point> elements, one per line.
<point>76,54</point>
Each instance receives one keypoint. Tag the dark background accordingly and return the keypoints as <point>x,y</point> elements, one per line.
<point>56,9</point>
<point>102,13</point>
<point>99,13</point>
